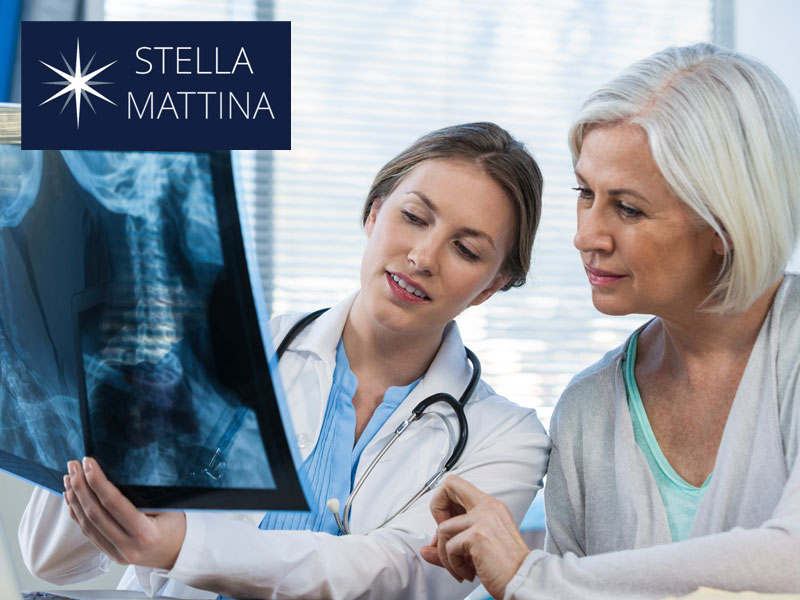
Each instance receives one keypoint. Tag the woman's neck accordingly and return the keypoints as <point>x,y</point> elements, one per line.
<point>688,370</point>
<point>394,358</point>
<point>696,341</point>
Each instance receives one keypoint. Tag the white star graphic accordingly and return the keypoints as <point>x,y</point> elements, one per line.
<point>76,83</point>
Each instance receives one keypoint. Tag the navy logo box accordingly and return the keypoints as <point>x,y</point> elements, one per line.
<point>156,85</point>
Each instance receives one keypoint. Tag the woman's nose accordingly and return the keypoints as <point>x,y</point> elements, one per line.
<point>593,233</point>
<point>424,255</point>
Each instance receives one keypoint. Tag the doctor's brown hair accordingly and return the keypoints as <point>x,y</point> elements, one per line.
<point>502,157</point>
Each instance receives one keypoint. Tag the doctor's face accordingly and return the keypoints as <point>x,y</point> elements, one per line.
<point>642,249</point>
<point>436,245</point>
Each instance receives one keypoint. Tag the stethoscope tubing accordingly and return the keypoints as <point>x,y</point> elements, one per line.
<point>457,406</point>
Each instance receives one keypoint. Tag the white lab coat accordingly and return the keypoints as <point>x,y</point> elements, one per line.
<point>506,456</point>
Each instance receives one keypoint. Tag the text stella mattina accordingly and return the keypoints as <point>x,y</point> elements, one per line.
<point>180,104</point>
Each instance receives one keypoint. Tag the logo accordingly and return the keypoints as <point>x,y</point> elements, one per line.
<point>78,83</point>
<point>156,85</point>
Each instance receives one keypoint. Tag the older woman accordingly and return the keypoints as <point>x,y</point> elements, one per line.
<point>450,221</point>
<point>674,461</point>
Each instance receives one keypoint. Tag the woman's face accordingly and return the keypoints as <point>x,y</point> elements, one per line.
<point>642,250</point>
<point>436,245</point>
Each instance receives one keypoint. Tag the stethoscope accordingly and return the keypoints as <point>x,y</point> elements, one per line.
<point>343,520</point>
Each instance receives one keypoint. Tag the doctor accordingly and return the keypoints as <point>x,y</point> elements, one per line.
<point>450,221</point>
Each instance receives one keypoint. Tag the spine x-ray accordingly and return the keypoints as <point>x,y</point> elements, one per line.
<point>129,331</point>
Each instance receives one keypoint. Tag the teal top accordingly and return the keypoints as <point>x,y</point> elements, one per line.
<point>680,498</point>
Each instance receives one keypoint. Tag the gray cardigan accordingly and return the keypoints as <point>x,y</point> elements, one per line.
<point>607,531</point>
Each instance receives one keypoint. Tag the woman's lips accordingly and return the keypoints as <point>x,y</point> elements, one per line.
<point>599,278</point>
<point>400,286</point>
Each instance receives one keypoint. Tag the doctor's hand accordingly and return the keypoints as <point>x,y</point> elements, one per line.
<point>115,526</point>
<point>476,536</point>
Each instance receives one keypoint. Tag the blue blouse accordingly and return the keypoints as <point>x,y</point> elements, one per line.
<point>331,467</point>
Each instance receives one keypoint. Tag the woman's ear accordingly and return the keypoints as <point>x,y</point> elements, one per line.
<point>369,224</point>
<point>720,243</point>
<point>496,284</point>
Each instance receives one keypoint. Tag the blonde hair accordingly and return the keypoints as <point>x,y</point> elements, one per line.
<point>723,130</point>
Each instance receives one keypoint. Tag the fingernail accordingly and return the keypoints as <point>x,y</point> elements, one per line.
<point>73,470</point>
<point>87,464</point>
<point>67,484</point>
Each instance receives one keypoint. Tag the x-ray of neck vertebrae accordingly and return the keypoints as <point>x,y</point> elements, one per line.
<point>120,323</point>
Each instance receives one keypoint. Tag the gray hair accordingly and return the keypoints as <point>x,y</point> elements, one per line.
<point>723,130</point>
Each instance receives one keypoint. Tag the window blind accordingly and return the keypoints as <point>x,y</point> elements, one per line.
<point>369,78</point>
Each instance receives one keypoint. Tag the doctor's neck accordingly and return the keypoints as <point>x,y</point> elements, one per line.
<point>376,351</point>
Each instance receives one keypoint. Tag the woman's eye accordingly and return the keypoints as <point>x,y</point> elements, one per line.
<point>412,218</point>
<point>628,211</point>
<point>466,252</point>
<point>583,193</point>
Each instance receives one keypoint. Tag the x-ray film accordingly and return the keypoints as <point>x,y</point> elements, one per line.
<point>129,331</point>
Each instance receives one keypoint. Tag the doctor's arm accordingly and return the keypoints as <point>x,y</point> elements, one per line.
<point>53,546</point>
<point>238,560</point>
<point>115,526</point>
<point>76,538</point>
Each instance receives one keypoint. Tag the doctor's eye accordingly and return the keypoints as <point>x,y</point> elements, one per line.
<point>412,218</point>
<point>466,252</point>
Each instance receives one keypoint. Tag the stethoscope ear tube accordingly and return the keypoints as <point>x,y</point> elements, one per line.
<point>297,328</point>
<point>474,379</point>
<point>458,409</point>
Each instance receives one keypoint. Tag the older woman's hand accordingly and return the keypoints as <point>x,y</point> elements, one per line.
<point>476,536</point>
<point>115,526</point>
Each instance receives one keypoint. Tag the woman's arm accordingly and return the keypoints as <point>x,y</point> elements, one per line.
<point>764,559</point>
<point>565,530</point>
<point>476,536</point>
